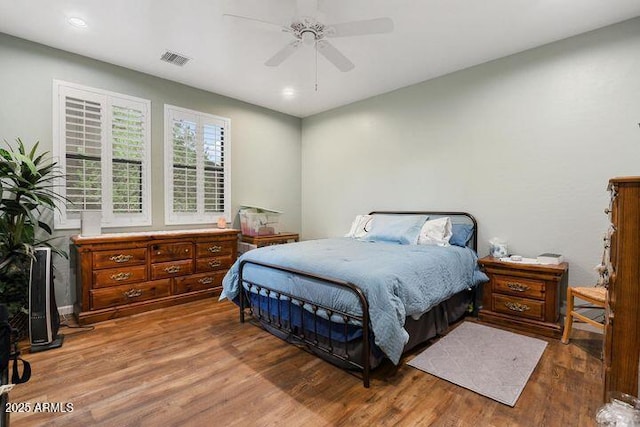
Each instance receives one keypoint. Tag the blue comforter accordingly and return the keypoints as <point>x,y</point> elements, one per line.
<point>398,280</point>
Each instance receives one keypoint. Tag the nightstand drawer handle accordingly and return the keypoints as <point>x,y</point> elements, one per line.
<point>215,263</point>
<point>121,258</point>
<point>214,249</point>
<point>120,276</point>
<point>132,293</point>
<point>206,280</point>
<point>516,306</point>
<point>172,269</point>
<point>518,287</point>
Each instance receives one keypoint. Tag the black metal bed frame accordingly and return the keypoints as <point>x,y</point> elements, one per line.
<point>335,349</point>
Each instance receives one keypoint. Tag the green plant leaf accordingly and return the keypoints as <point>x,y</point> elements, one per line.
<point>27,188</point>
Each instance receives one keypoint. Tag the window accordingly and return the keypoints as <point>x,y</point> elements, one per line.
<point>197,166</point>
<point>102,143</point>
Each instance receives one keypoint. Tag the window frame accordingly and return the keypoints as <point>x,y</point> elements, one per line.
<point>107,99</point>
<point>200,118</point>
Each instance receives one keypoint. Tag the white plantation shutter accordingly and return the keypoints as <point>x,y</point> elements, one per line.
<point>184,163</point>
<point>214,145</point>
<point>128,150</point>
<point>83,135</point>
<point>102,142</point>
<point>196,167</point>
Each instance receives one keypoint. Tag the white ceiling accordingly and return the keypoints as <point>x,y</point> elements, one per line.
<point>431,38</point>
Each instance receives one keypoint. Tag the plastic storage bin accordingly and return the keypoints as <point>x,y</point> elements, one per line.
<point>259,221</point>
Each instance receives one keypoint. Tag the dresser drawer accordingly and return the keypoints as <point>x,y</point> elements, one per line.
<point>171,252</point>
<point>198,282</point>
<point>126,294</point>
<point>518,307</point>
<point>215,248</point>
<point>119,276</point>
<point>171,269</point>
<point>119,258</point>
<point>213,264</point>
<point>520,287</point>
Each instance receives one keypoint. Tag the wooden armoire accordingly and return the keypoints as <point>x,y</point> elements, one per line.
<point>622,316</point>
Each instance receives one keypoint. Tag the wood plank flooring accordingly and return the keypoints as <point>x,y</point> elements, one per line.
<point>196,365</point>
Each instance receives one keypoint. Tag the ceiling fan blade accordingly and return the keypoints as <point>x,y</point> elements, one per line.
<point>334,56</point>
<point>360,28</point>
<point>260,21</point>
<point>283,54</point>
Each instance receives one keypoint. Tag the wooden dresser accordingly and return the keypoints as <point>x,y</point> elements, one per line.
<point>622,274</point>
<point>126,273</point>
<point>523,296</point>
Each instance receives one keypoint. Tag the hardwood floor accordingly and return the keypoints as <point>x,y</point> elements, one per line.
<point>196,365</point>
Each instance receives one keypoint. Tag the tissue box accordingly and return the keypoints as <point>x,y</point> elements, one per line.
<point>259,221</point>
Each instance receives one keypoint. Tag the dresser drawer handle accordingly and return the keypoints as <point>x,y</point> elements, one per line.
<point>214,249</point>
<point>121,258</point>
<point>132,293</point>
<point>215,263</point>
<point>206,280</point>
<point>172,269</point>
<point>518,287</point>
<point>120,276</point>
<point>516,306</point>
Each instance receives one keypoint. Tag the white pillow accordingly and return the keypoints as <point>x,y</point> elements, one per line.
<point>359,227</point>
<point>436,232</point>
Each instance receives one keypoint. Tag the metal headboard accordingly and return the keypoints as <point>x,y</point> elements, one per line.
<point>456,218</point>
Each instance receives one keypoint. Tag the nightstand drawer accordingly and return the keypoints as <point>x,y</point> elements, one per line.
<point>520,287</point>
<point>519,307</point>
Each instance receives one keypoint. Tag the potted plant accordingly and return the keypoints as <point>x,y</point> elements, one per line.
<point>27,193</point>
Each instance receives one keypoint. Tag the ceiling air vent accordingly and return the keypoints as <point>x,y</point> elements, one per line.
<point>174,58</point>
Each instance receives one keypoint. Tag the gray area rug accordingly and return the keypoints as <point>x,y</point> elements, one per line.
<point>488,361</point>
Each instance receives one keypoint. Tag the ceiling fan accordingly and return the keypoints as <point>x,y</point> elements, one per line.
<point>307,30</point>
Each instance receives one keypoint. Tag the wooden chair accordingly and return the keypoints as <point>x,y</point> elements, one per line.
<point>596,296</point>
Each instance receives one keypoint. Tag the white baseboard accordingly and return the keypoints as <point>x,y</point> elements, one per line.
<point>67,309</point>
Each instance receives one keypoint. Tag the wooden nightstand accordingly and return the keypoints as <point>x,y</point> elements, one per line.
<point>271,239</point>
<point>523,296</point>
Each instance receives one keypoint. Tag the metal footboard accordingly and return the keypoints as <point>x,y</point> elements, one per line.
<point>274,319</point>
<point>280,306</point>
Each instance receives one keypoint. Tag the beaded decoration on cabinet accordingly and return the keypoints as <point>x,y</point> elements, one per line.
<point>620,273</point>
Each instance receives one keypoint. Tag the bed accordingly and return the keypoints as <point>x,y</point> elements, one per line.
<point>357,300</point>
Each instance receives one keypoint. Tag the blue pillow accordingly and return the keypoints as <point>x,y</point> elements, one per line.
<point>403,229</point>
<point>461,234</point>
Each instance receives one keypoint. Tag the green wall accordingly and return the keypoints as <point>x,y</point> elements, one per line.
<point>265,152</point>
<point>526,143</point>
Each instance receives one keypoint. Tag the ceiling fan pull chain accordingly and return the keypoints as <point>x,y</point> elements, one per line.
<point>316,45</point>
